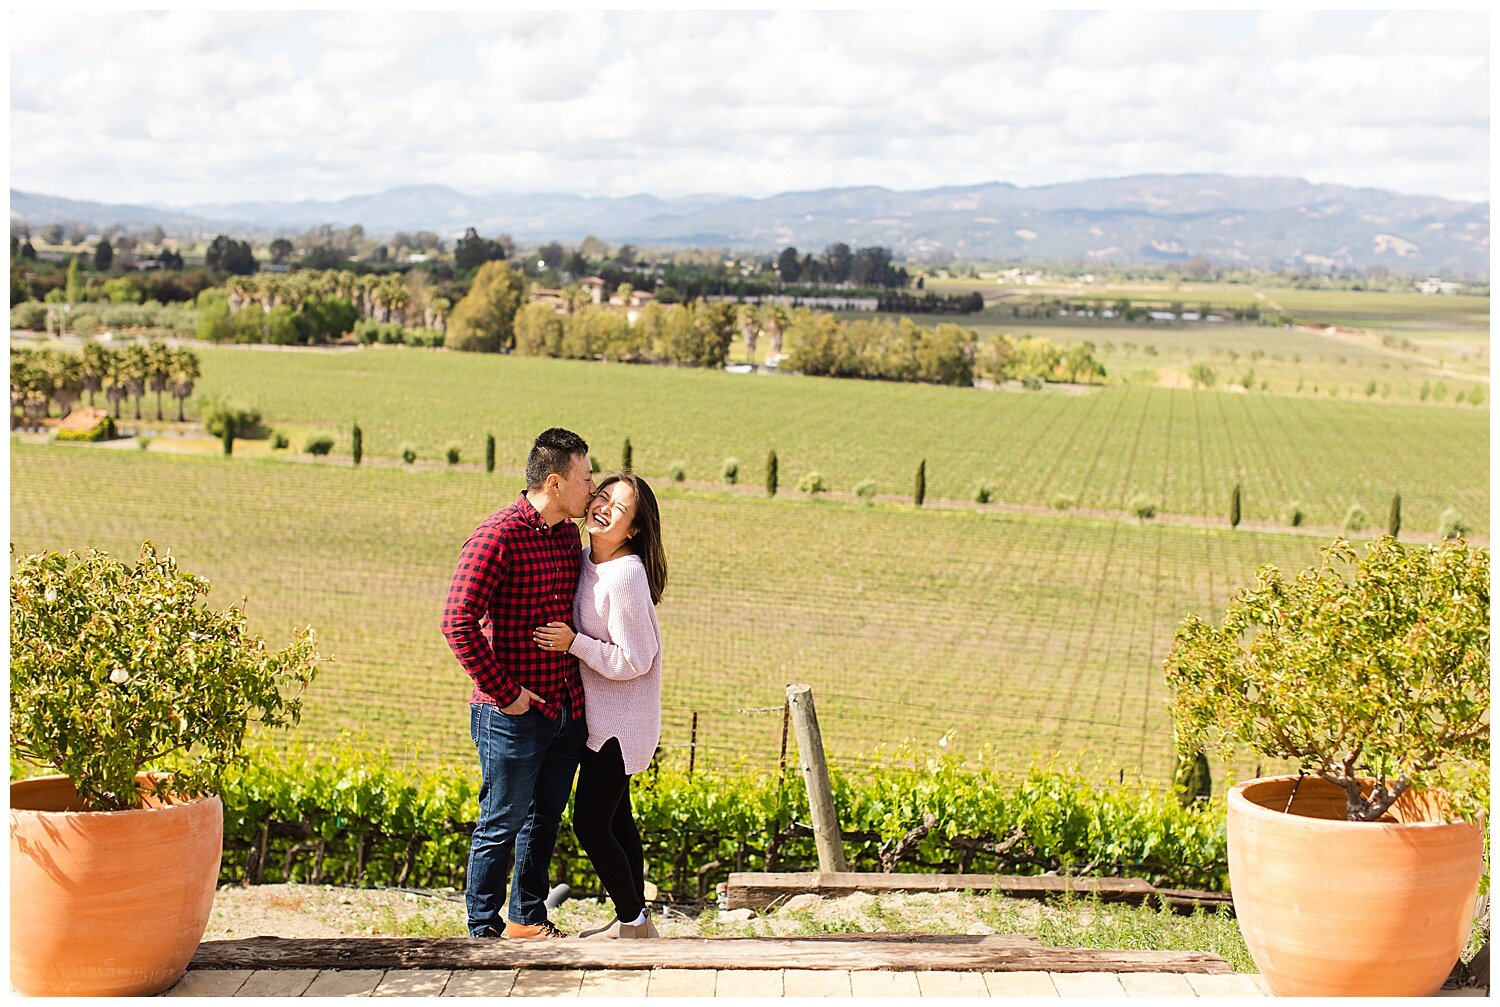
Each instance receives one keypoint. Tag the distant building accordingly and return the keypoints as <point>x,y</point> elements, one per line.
<point>595,286</point>
<point>1437,285</point>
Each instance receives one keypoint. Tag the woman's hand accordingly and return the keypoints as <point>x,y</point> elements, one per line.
<point>555,636</point>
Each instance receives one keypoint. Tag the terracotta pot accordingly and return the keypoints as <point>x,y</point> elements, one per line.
<point>107,903</point>
<point>1330,907</point>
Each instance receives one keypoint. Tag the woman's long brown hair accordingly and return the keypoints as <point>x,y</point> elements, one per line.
<point>646,542</point>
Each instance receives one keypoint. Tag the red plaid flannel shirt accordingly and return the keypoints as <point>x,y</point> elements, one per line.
<point>513,575</point>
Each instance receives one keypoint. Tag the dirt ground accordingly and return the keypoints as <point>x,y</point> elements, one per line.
<point>329,911</point>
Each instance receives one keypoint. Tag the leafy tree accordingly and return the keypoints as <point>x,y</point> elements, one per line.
<point>281,325</point>
<point>1192,781</point>
<point>484,321</point>
<point>281,249</point>
<point>104,256</point>
<point>551,254</point>
<point>1354,518</point>
<point>453,453</point>
<point>812,483</point>
<point>789,266</point>
<point>472,251</point>
<point>1452,525</point>
<point>538,331</point>
<point>594,249</point>
<point>838,260</point>
<point>1300,670</point>
<point>993,357</point>
<point>114,668</point>
<point>20,290</point>
<point>1142,506</point>
<point>73,287</point>
<point>225,255</point>
<point>318,443</point>
<point>730,471</point>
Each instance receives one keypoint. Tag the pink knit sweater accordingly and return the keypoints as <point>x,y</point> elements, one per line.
<point>618,647</point>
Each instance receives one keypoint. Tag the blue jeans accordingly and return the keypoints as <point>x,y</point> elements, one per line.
<point>526,767</point>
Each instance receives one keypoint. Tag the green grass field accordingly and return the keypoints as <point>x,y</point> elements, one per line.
<point>1032,637</point>
<point>1186,449</point>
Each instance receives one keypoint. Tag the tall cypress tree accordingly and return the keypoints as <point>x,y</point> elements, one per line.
<point>228,436</point>
<point>1393,522</point>
<point>357,439</point>
<point>771,473</point>
<point>626,458</point>
<point>1234,507</point>
<point>919,490</point>
<point>489,452</point>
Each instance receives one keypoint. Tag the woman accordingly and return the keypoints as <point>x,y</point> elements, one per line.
<point>618,646</point>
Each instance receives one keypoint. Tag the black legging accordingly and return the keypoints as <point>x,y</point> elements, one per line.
<point>606,829</point>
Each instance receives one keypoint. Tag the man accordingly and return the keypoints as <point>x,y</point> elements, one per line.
<point>519,570</point>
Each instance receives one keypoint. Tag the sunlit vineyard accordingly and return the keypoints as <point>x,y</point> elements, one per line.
<point>1184,449</point>
<point>1033,636</point>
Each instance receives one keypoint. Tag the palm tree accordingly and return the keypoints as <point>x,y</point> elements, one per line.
<point>137,370</point>
<point>159,369</point>
<point>22,384</point>
<point>92,367</point>
<point>773,322</point>
<point>61,381</point>
<point>116,376</point>
<point>183,372</point>
<point>748,317</point>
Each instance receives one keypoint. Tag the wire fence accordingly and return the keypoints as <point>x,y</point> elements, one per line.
<point>862,732</point>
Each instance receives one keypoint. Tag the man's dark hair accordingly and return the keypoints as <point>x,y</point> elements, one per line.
<point>553,451</point>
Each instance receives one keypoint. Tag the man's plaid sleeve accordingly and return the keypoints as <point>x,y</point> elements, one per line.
<point>481,566</point>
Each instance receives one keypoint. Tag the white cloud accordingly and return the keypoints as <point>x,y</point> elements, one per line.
<point>219,106</point>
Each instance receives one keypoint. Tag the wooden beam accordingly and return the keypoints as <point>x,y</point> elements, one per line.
<point>825,819</point>
<point>885,952</point>
<point>757,891</point>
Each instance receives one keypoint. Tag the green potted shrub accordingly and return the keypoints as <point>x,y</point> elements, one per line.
<point>140,696</point>
<point>1357,875</point>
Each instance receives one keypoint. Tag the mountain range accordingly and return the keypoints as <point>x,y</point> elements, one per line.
<point>1230,220</point>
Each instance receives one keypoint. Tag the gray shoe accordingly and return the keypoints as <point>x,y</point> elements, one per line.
<point>622,931</point>
<point>591,931</point>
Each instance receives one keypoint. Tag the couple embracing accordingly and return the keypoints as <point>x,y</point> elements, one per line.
<point>564,649</point>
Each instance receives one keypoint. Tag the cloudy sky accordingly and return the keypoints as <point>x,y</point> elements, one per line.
<point>179,108</point>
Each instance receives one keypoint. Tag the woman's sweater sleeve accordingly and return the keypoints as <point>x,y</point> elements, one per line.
<point>630,627</point>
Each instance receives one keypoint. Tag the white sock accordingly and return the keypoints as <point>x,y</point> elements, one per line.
<point>638,920</point>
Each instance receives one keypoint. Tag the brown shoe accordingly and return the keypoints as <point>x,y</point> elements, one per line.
<point>532,931</point>
<point>651,929</point>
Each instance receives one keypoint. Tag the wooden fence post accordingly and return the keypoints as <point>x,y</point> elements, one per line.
<point>825,820</point>
<point>693,745</point>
